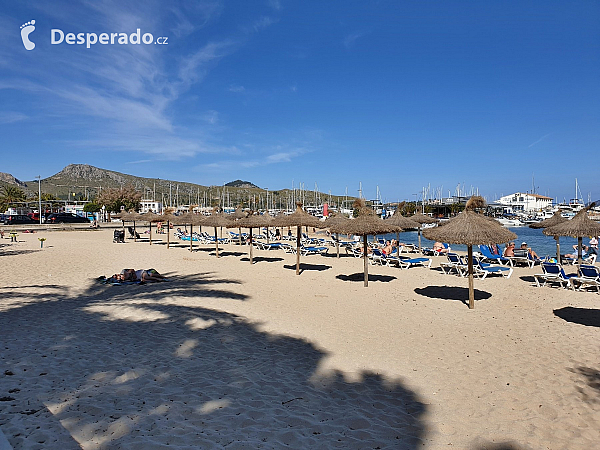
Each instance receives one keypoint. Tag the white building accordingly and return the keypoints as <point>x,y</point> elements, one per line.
<point>150,206</point>
<point>527,203</point>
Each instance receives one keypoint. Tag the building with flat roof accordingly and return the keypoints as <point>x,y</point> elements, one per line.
<point>526,202</point>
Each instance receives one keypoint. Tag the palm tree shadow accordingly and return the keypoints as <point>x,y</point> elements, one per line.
<point>147,358</point>
<point>451,293</point>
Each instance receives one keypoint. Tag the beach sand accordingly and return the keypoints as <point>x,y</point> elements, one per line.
<point>229,355</point>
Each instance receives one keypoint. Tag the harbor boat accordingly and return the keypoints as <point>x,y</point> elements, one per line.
<point>510,222</point>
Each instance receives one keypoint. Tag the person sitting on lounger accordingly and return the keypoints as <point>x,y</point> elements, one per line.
<point>509,251</point>
<point>388,248</point>
<point>532,254</point>
<point>584,249</point>
<point>438,247</point>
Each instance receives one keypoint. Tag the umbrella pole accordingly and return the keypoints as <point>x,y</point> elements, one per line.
<point>557,250</point>
<point>366,260</point>
<point>168,235</point>
<point>419,238</point>
<point>471,290</point>
<point>123,229</point>
<point>398,244</point>
<point>251,245</point>
<point>267,235</point>
<point>298,232</point>
<point>579,242</point>
<point>337,244</point>
<point>216,242</point>
<point>134,232</point>
<point>191,237</point>
<point>150,233</point>
<point>240,236</point>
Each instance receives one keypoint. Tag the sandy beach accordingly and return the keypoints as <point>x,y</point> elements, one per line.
<point>229,355</point>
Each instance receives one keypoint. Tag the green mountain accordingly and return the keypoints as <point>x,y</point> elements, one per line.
<point>85,182</point>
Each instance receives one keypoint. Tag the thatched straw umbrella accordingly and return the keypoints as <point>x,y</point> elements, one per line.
<point>236,215</point>
<point>169,219</point>
<point>332,220</point>
<point>190,219</point>
<point>471,228</point>
<point>150,218</point>
<point>403,222</point>
<point>578,227</point>
<point>299,219</point>
<point>421,219</point>
<point>367,223</point>
<point>127,216</point>
<point>216,220</point>
<point>253,221</point>
<point>554,220</point>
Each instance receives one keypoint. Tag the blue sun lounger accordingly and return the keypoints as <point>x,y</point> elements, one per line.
<point>314,251</point>
<point>491,257</point>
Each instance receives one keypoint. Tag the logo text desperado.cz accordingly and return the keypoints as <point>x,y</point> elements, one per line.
<point>57,36</point>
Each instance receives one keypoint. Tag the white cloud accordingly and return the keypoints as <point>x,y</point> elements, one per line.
<point>11,117</point>
<point>352,38</point>
<point>236,88</point>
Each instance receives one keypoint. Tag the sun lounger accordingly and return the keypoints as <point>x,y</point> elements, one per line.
<point>406,263</point>
<point>488,256</point>
<point>454,263</point>
<point>305,251</point>
<point>553,273</point>
<point>588,276</point>
<point>482,270</point>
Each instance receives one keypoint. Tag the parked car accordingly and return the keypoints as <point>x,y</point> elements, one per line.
<point>15,219</point>
<point>66,218</point>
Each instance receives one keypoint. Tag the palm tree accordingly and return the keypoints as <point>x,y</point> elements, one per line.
<point>11,194</point>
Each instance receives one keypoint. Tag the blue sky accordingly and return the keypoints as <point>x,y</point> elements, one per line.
<point>395,94</point>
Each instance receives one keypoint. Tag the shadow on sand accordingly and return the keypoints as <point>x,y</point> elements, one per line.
<point>304,266</point>
<point>361,277</point>
<point>125,365</point>
<point>583,316</point>
<point>451,293</point>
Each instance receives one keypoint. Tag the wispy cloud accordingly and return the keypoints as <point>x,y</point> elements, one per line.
<point>11,117</point>
<point>539,140</point>
<point>350,39</point>
<point>275,4</point>
<point>236,88</point>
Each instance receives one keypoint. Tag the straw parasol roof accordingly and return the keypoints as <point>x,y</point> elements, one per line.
<point>365,224</point>
<point>253,221</point>
<point>333,220</point>
<point>471,228</point>
<point>422,218</point>
<point>298,218</point>
<point>554,220</point>
<point>403,222</point>
<point>239,213</point>
<point>216,220</point>
<point>578,227</point>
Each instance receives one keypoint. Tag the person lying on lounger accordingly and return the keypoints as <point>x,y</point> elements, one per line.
<point>439,248</point>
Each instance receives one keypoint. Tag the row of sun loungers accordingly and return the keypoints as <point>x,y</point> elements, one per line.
<point>481,269</point>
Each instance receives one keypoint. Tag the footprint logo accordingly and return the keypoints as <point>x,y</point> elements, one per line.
<point>26,30</point>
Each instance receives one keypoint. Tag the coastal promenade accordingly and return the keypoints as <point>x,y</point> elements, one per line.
<point>232,355</point>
